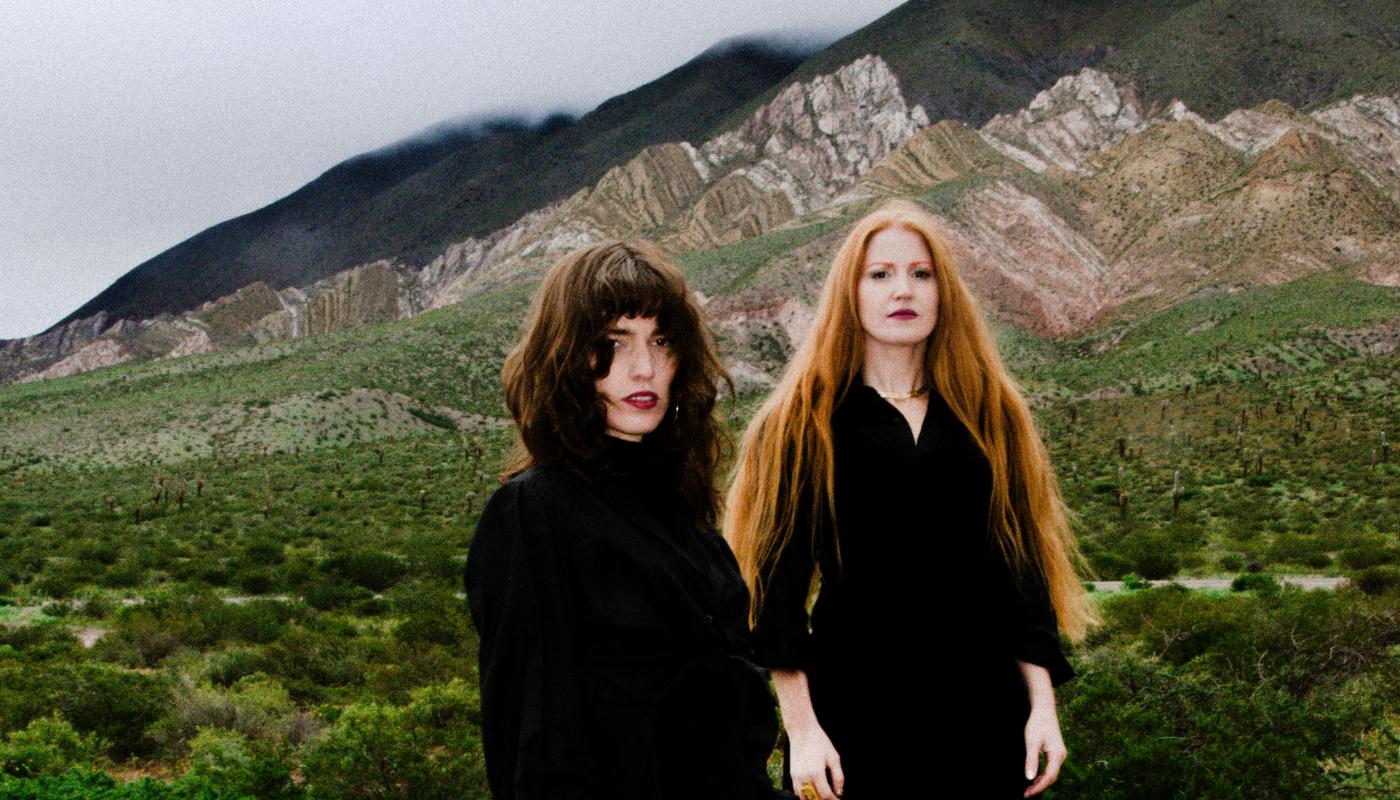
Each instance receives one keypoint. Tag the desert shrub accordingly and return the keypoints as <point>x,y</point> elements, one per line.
<point>264,553</point>
<point>432,614</point>
<point>1147,729</point>
<point>96,785</point>
<point>47,746</point>
<point>1369,555</point>
<point>1377,580</point>
<point>256,707</point>
<point>1373,769</point>
<point>256,580</point>
<point>116,704</point>
<point>227,666</point>
<point>373,570</point>
<point>326,595</point>
<point>428,749</point>
<point>309,662</point>
<point>1260,582</point>
<point>228,761</point>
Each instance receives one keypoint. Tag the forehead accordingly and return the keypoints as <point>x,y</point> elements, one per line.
<point>896,246</point>
<point>639,326</point>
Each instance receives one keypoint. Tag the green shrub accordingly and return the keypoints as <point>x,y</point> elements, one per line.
<point>428,749</point>
<point>227,666</point>
<point>1259,582</point>
<point>113,703</point>
<point>371,569</point>
<point>256,706</point>
<point>325,595</point>
<point>1232,562</point>
<point>228,761</point>
<point>47,746</point>
<point>1378,580</point>
<point>1369,555</point>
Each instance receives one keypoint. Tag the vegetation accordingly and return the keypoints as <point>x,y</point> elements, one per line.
<point>274,610</point>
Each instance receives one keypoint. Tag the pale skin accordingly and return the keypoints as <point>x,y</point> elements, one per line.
<point>898,303</point>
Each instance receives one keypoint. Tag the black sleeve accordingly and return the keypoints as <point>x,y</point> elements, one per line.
<point>781,639</point>
<point>532,721</point>
<point>1037,634</point>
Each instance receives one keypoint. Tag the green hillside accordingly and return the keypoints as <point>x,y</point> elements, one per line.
<point>971,59</point>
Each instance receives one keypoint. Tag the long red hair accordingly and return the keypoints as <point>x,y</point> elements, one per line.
<point>786,457</point>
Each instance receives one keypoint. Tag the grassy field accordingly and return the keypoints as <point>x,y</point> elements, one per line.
<point>1247,432</point>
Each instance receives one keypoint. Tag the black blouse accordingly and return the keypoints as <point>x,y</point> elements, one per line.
<point>614,647</point>
<point>918,567</point>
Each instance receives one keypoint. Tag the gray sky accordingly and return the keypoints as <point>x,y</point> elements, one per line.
<point>129,126</point>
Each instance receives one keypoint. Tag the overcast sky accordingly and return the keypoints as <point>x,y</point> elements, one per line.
<point>129,126</point>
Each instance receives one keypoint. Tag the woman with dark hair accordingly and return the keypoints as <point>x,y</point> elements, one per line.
<point>896,472</point>
<point>612,615</point>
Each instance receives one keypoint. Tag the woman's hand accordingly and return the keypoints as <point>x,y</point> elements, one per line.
<point>1042,730</point>
<point>812,754</point>
<point>812,757</point>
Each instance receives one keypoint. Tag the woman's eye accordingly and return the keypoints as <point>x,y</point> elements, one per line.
<point>923,273</point>
<point>661,341</point>
<point>878,274</point>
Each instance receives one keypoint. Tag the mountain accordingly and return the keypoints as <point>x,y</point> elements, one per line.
<point>969,60</point>
<point>412,199</point>
<point>1089,204</point>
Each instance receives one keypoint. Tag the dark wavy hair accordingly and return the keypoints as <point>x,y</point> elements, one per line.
<point>549,376</point>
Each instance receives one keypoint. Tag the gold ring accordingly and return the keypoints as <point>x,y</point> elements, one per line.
<point>809,791</point>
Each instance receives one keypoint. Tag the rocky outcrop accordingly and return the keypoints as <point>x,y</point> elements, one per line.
<point>104,352</point>
<point>1368,131</point>
<point>355,298</point>
<point>942,152</point>
<point>1065,124</point>
<point>229,318</point>
<point>31,355</point>
<point>813,141</point>
<point>1059,215</point>
<point>1026,261</point>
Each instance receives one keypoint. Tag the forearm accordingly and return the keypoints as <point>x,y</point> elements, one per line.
<point>794,699</point>
<point>1038,685</point>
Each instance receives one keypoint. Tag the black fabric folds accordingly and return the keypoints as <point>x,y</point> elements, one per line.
<point>615,658</point>
<point>921,624</point>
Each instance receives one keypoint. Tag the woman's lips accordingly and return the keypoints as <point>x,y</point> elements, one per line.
<point>641,400</point>
<point>904,313</point>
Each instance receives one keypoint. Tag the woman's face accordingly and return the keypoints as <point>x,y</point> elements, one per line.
<point>897,296</point>
<point>637,389</point>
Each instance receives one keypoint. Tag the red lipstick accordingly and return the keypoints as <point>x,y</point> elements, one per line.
<point>904,313</point>
<point>641,400</point>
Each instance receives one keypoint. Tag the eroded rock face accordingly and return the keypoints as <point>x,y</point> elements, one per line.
<point>1368,131</point>
<point>103,352</point>
<point>357,297</point>
<point>1058,215</point>
<point>1025,261</point>
<point>1065,124</point>
<point>31,355</point>
<point>796,154</point>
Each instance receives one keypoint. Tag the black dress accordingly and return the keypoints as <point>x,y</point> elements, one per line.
<point>614,646</point>
<point>922,626</point>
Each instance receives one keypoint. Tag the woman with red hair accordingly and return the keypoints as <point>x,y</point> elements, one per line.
<point>896,474</point>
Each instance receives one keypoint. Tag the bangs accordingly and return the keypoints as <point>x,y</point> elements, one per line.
<point>631,287</point>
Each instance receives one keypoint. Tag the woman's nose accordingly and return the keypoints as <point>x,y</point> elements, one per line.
<point>903,287</point>
<point>642,366</point>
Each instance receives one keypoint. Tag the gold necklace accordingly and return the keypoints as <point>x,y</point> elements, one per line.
<point>905,396</point>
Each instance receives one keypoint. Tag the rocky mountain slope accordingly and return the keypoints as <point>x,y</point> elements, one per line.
<point>1082,208</point>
